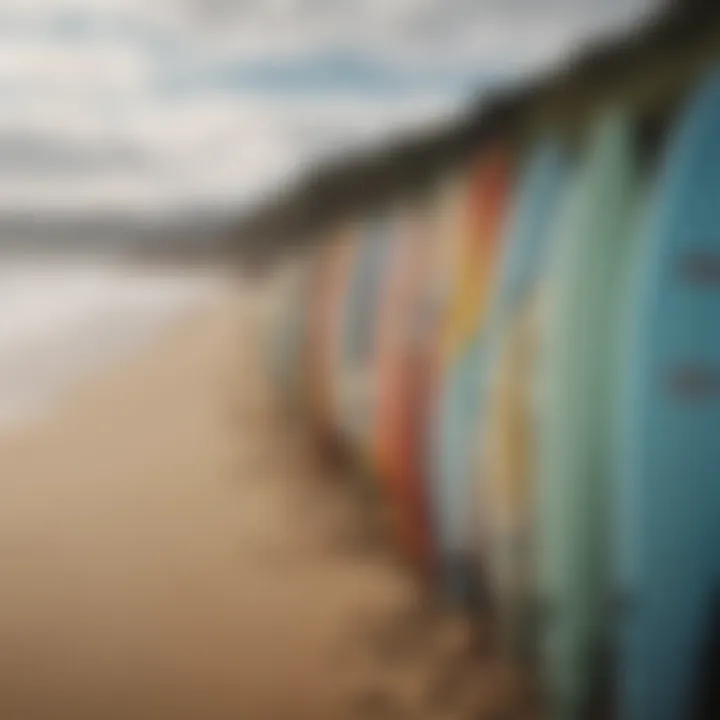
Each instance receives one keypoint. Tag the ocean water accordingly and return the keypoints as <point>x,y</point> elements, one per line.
<point>60,321</point>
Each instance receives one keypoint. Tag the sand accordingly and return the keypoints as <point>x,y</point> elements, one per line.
<point>170,548</point>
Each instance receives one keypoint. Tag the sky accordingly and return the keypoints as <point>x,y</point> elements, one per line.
<point>147,106</point>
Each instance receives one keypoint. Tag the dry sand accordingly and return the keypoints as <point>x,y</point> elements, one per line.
<point>170,550</point>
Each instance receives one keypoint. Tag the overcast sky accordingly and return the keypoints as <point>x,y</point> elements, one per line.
<point>155,104</point>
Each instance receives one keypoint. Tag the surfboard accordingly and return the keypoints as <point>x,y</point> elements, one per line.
<point>287,344</point>
<point>445,251</point>
<point>458,392</point>
<point>403,350</point>
<point>336,263</point>
<point>574,475</point>
<point>445,270</point>
<point>358,393</point>
<point>403,432</point>
<point>502,468</point>
<point>669,554</point>
<point>317,328</point>
<point>340,315</point>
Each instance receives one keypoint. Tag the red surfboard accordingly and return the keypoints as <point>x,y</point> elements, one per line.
<point>399,368</point>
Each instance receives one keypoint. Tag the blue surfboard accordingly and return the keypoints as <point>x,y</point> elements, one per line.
<point>359,332</point>
<point>533,216</point>
<point>452,431</point>
<point>669,517</point>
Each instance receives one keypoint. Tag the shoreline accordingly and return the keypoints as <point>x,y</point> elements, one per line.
<point>65,324</point>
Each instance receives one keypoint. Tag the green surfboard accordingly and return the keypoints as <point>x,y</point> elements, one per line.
<point>574,482</point>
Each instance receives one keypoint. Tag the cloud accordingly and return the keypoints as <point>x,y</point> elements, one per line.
<point>328,71</point>
<point>455,33</point>
<point>112,103</point>
<point>27,154</point>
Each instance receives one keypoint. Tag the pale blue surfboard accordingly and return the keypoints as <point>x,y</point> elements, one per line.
<point>669,551</point>
<point>503,548</point>
<point>541,186</point>
<point>453,424</point>
<point>360,330</point>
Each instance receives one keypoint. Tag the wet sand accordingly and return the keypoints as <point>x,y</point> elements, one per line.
<point>170,549</point>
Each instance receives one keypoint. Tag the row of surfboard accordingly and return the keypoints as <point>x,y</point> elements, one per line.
<point>527,368</point>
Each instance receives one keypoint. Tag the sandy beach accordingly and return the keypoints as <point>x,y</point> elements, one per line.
<point>170,549</point>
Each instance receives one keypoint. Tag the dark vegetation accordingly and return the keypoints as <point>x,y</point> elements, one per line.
<point>648,69</point>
